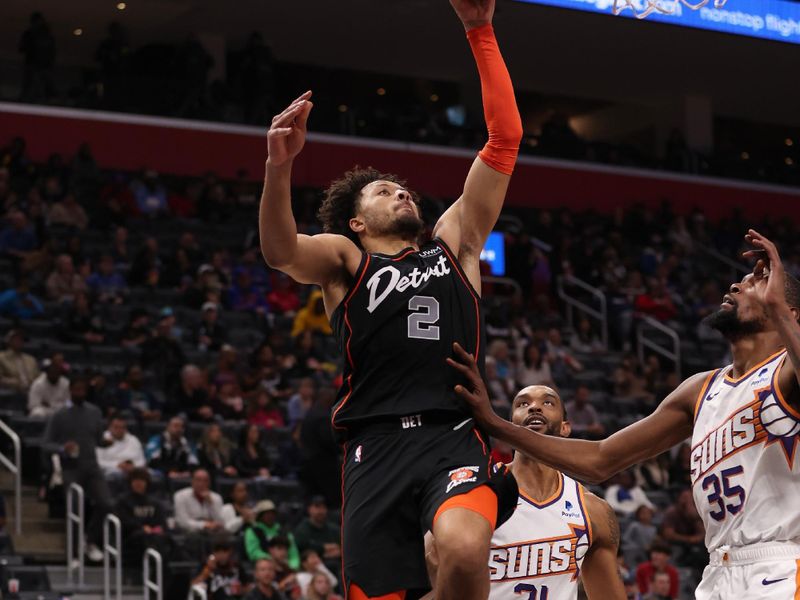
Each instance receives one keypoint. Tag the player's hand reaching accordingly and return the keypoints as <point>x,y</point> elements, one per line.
<point>287,134</point>
<point>474,391</point>
<point>769,276</point>
<point>474,13</point>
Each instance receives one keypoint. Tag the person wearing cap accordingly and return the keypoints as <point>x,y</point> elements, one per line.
<point>206,288</point>
<point>50,390</point>
<point>265,528</point>
<point>18,369</point>
<point>315,532</point>
<point>220,573</point>
<point>210,334</point>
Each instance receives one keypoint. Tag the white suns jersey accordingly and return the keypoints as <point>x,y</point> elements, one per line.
<point>538,552</point>
<point>745,479</point>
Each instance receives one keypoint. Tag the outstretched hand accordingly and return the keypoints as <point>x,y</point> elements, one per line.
<point>474,393</point>
<point>474,13</point>
<point>768,273</point>
<point>287,134</point>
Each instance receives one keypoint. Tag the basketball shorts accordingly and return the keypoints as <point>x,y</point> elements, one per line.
<point>768,571</point>
<point>396,475</point>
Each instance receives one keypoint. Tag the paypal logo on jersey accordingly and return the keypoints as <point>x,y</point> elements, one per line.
<point>761,378</point>
<point>568,512</point>
<point>568,505</point>
<point>390,280</point>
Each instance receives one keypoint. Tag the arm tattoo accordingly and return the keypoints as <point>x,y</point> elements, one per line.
<point>613,528</point>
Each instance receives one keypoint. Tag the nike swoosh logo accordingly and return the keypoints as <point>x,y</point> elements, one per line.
<point>766,581</point>
<point>460,425</point>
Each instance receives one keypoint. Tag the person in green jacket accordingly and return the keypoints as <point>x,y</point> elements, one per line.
<point>266,527</point>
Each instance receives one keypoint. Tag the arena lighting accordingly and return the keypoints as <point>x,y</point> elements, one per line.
<point>77,32</point>
<point>789,162</point>
<point>380,92</point>
<point>343,108</point>
<point>121,6</point>
<point>789,142</point>
<point>745,155</point>
<point>434,98</point>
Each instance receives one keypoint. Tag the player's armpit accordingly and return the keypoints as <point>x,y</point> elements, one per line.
<point>321,259</point>
<point>600,573</point>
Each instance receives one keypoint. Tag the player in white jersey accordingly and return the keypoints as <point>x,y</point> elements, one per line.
<point>744,421</point>
<point>559,531</point>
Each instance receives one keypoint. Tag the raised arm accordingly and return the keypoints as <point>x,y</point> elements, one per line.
<point>319,259</point>
<point>599,572</point>
<point>468,222</point>
<point>593,462</point>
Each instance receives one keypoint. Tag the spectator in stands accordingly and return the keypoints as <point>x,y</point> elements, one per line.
<point>245,295</point>
<point>583,416</point>
<point>305,359</point>
<point>499,390</point>
<point>658,563</point>
<point>197,508</point>
<point>258,79</point>
<point>251,458</point>
<point>80,323</point>
<point>123,454</point>
<point>106,285</point>
<point>585,339</point>
<point>146,265</point>
<point>170,452</point>
<point>18,238</point>
<point>301,402</point>
<point>311,565</point>
<point>150,195</point>
<point>656,301</point>
<point>562,362</point>
<point>119,248</point>
<point>192,397</point>
<point>659,587</point>
<point>653,473</point>
<point>321,588</point>
<point>137,331</point>
<point>215,453</point>
<point>206,288</point>
<point>49,392</point>
<point>503,364</point>
<point>312,317</point>
<point>163,354</point>
<point>228,367</point>
<point>19,303</point>
<point>38,46</point>
<point>279,551</point>
<point>683,527</point>
<point>143,518</point>
<point>629,384</point>
<point>624,496</point>
<point>69,213</point>
<point>283,299</point>
<point>265,528</point>
<point>18,369</point>
<point>74,433</point>
<point>640,535</point>
<point>680,468</point>
<point>133,397</point>
<point>64,283</point>
<point>220,574</point>
<point>265,587</point>
<point>320,459</point>
<point>263,412</point>
<point>229,404</point>
<point>238,514</point>
<point>533,368</point>
<point>315,532</point>
<point>210,334</point>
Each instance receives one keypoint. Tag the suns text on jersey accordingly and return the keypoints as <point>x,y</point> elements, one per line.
<point>539,558</point>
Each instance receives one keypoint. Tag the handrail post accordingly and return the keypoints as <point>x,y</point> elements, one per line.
<point>149,585</point>
<point>574,303</point>
<point>16,470</point>
<point>112,549</point>
<point>643,342</point>
<point>73,519</point>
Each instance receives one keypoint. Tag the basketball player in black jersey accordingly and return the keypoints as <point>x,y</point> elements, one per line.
<point>413,458</point>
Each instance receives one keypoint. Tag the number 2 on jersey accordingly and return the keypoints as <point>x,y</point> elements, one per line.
<point>526,588</point>
<point>425,312</point>
<point>727,490</point>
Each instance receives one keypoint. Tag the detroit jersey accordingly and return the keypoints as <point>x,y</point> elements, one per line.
<point>538,552</point>
<point>396,326</point>
<point>745,478</point>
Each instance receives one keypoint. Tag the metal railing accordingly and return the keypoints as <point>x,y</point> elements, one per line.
<point>491,279</point>
<point>16,470</point>
<point>75,519</point>
<point>573,303</point>
<point>112,549</point>
<point>197,592</point>
<point>156,586</point>
<point>736,268</point>
<point>642,342</point>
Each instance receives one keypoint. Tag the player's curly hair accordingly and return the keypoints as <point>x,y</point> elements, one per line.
<point>342,196</point>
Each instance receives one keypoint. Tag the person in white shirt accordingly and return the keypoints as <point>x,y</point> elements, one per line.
<point>50,390</point>
<point>625,497</point>
<point>124,454</point>
<point>311,564</point>
<point>197,508</point>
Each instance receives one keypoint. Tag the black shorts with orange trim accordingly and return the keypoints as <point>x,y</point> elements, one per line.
<point>396,475</point>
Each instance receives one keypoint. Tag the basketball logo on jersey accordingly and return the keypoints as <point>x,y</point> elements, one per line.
<point>462,475</point>
<point>357,458</point>
<point>540,558</point>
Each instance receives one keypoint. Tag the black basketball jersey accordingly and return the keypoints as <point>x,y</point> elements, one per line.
<point>396,326</point>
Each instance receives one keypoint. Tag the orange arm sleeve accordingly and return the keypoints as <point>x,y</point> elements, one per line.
<point>499,105</point>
